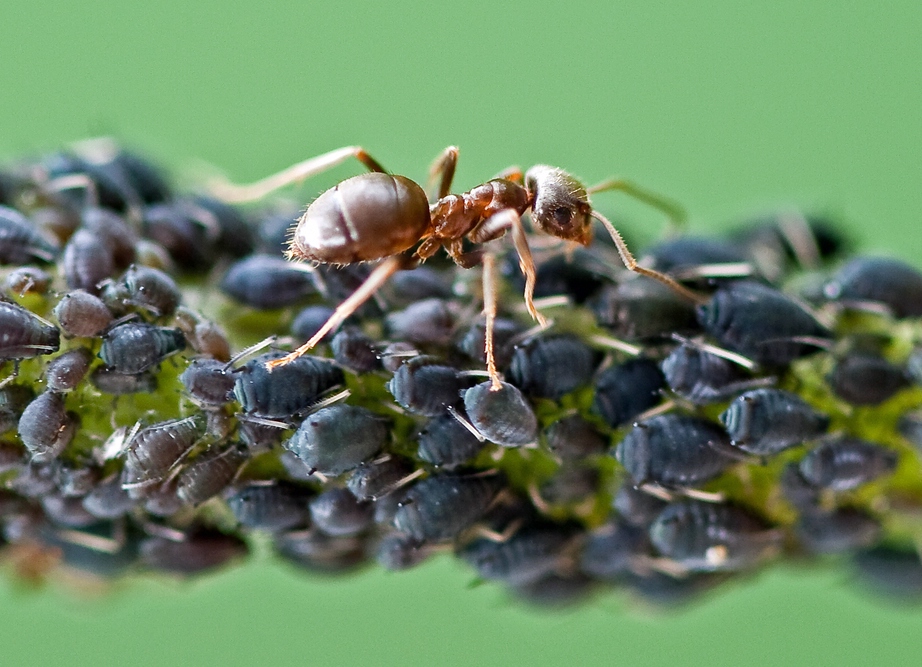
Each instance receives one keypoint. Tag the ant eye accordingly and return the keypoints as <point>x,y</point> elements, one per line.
<point>562,215</point>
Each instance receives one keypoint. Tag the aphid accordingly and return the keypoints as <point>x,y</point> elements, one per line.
<point>710,537</point>
<point>66,511</point>
<point>108,500</point>
<point>355,350</point>
<point>425,386</point>
<point>614,550</point>
<point>880,280</point>
<point>891,570</point>
<point>135,347</point>
<point>287,390</point>
<point>426,322</point>
<point>418,284</point>
<point>570,483</point>
<point>796,490</point>
<point>193,551</point>
<point>395,355</point>
<point>674,451</point>
<point>266,282</point>
<point>46,427</point>
<point>445,442</point>
<point>318,552</point>
<point>272,233</point>
<point>187,231</point>
<point>209,474</point>
<point>76,478</point>
<point>381,476</point>
<point>573,438</point>
<point>104,549</point>
<point>577,274</point>
<point>339,513</point>
<point>844,529</point>
<point>337,438</point>
<point>380,216</point>
<point>689,252</point>
<point>636,507</point>
<point>87,261</point>
<point>440,507</point>
<point>703,377</point>
<point>474,341</point>
<point>765,422</point>
<point>20,240</point>
<point>642,310</point>
<point>112,230</point>
<point>13,400</point>
<point>556,590</point>
<point>624,391</point>
<point>24,334</point>
<point>109,381</point>
<point>866,379</point>
<point>152,289</point>
<point>501,416</point>
<point>208,381</point>
<point>551,366</point>
<point>203,335</point>
<point>274,506</point>
<point>397,551</point>
<point>66,371</point>
<point>531,553</point>
<point>235,236</point>
<point>846,463</point>
<point>28,280</point>
<point>155,449</point>
<point>761,323</point>
<point>82,314</point>
<point>309,321</point>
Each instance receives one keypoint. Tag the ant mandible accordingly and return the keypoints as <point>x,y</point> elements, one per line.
<point>380,216</point>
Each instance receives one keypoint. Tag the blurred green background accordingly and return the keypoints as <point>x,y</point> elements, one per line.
<point>732,108</point>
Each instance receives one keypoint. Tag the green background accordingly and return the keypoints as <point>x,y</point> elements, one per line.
<point>731,108</point>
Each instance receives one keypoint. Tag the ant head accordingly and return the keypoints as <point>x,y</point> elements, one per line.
<point>560,204</point>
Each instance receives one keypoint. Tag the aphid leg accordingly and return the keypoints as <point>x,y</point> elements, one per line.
<point>632,265</point>
<point>496,536</point>
<point>537,500</point>
<point>796,231</point>
<point>296,173</point>
<point>366,290</point>
<point>77,182</point>
<point>489,310</point>
<point>443,170</point>
<point>672,209</point>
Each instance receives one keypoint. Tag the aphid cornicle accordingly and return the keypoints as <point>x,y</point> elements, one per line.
<point>379,216</point>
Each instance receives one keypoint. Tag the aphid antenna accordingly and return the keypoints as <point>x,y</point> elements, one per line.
<point>476,373</point>
<point>167,533</point>
<point>530,333</point>
<point>465,423</point>
<point>703,496</point>
<point>822,343</point>
<point>400,483</point>
<point>329,400</point>
<point>545,303</point>
<point>717,270</point>
<point>256,347</point>
<point>612,343</point>
<point>661,409</point>
<point>656,491</point>
<point>537,500</point>
<point>737,359</point>
<point>795,229</point>
<point>124,319</point>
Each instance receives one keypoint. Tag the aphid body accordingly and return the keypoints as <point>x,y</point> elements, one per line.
<point>765,422</point>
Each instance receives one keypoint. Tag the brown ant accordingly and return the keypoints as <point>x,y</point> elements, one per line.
<point>378,216</point>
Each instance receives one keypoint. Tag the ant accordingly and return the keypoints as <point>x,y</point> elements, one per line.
<point>381,216</point>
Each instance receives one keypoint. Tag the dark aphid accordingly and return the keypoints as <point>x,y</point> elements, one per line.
<point>260,437</point>
<point>308,322</point>
<point>209,474</point>
<point>473,342</point>
<point>574,438</point>
<point>643,309</point>
<point>423,282</point>
<point>445,442</point>
<point>891,570</point>
<point>236,237</point>
<point>614,550</point>
<point>103,549</point>
<point>690,251</point>
<point>556,590</point>
<point>353,349</point>
<point>430,321</point>
<point>203,335</point>
<point>395,355</point>
<point>710,537</point>
<point>501,415</point>
<point>188,232</point>
<point>76,478</point>
<point>153,289</point>
<point>318,552</point>
<point>665,590</point>
<point>531,553</point>
<point>337,438</point>
<point>881,280</point>
<point>272,233</point>
<point>28,280</point>
<point>342,281</point>
<point>20,240</point>
<point>624,391</point>
<point>339,513</point>
<point>578,273</point>
<point>13,400</point>
<point>846,463</point>
<point>66,511</point>
<point>24,335</point>
<point>636,507</point>
<point>160,498</point>
<point>208,381</point>
<point>270,506</point>
<point>866,379</point>
<point>110,381</point>
<point>286,390</point>
<point>701,376</point>
<point>114,232</point>
<point>196,551</point>
<point>397,551</point>
<point>46,427</point>
<point>425,386</point>
<point>135,347</point>
<point>551,366</point>
<point>66,371</point>
<point>571,483</point>
<point>440,507</point>
<point>266,282</point>
<point>379,477</point>
<point>796,490</point>
<point>765,422</point>
<point>843,529</point>
<point>674,451</point>
<point>145,178</point>
<point>155,449</point>
<point>776,240</point>
<point>82,314</point>
<point>109,182</point>
<point>762,324</point>
<point>35,480</point>
<point>87,261</point>
<point>108,500</point>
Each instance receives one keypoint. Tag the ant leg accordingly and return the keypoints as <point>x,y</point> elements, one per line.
<point>444,168</point>
<point>632,265</point>
<point>489,309</point>
<point>672,209</point>
<point>366,290</point>
<point>236,194</point>
<point>513,173</point>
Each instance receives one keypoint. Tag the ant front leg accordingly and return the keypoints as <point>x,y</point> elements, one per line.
<point>672,209</point>
<point>490,290</point>
<point>237,194</point>
<point>443,170</point>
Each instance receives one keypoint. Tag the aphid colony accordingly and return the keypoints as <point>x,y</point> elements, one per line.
<point>654,439</point>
